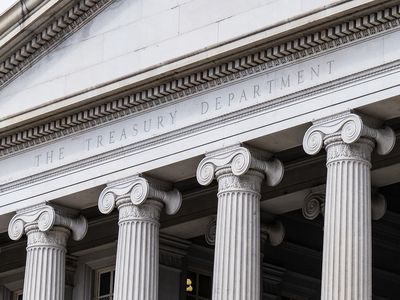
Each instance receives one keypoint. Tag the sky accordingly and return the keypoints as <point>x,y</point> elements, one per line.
<point>5,4</point>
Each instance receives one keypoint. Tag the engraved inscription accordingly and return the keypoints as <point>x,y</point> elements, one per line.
<point>192,110</point>
<point>271,84</point>
<point>48,157</point>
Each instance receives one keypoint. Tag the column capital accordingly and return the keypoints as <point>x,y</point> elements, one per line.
<point>274,232</point>
<point>137,190</point>
<point>349,127</point>
<point>378,205</point>
<point>314,204</point>
<point>44,217</point>
<point>240,160</point>
<point>211,230</point>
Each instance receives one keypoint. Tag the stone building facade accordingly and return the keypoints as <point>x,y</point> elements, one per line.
<point>200,149</point>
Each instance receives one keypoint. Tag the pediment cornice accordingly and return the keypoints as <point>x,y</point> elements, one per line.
<point>269,58</point>
<point>55,24</point>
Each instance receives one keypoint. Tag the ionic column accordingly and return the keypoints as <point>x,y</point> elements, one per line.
<point>139,202</point>
<point>347,263</point>
<point>47,228</point>
<point>239,172</point>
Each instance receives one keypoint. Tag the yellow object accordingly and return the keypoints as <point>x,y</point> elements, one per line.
<point>189,287</point>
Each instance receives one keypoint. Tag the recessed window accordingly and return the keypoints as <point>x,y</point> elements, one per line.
<point>17,295</point>
<point>198,286</point>
<point>104,287</point>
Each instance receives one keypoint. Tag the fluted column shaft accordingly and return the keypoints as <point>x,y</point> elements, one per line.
<point>237,246</point>
<point>136,271</point>
<point>139,201</point>
<point>348,139</point>
<point>239,171</point>
<point>347,261</point>
<point>45,264</point>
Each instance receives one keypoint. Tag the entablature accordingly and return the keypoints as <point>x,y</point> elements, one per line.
<point>77,13</point>
<point>260,97</point>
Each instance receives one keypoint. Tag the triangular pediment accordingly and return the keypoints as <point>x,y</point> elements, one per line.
<point>101,44</point>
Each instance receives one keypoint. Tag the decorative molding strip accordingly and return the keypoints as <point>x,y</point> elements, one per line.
<point>49,38</point>
<point>272,57</point>
<point>152,142</point>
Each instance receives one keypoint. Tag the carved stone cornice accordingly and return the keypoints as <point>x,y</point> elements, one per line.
<point>18,13</point>
<point>238,160</point>
<point>42,218</point>
<point>345,129</point>
<point>268,58</point>
<point>139,191</point>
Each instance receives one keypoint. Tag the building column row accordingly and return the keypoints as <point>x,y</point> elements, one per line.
<point>349,140</point>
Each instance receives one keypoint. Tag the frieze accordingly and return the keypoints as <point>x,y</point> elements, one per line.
<point>167,123</point>
<point>189,130</point>
<point>249,65</point>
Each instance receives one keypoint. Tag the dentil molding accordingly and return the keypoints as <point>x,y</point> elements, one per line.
<point>248,65</point>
